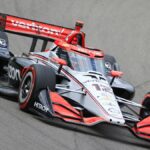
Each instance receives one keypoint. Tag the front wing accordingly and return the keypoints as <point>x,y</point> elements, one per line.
<point>50,105</point>
<point>62,109</point>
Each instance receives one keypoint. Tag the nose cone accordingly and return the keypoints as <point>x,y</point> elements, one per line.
<point>107,105</point>
<point>100,99</point>
<point>115,120</point>
<point>113,113</point>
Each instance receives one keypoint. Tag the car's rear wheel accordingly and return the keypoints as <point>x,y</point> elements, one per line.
<point>145,112</point>
<point>35,78</point>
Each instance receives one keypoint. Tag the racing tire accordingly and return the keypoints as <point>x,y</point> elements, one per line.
<point>4,52</point>
<point>35,78</point>
<point>145,112</point>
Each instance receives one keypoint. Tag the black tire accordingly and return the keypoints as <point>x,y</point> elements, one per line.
<point>145,112</point>
<point>111,63</point>
<point>35,78</point>
<point>4,52</point>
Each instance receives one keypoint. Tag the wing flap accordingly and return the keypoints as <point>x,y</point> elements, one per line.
<point>142,129</point>
<point>32,28</point>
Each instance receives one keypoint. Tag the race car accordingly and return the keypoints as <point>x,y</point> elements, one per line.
<point>49,32</point>
<point>67,81</point>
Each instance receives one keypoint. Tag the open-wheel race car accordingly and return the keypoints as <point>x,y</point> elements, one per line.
<point>67,81</point>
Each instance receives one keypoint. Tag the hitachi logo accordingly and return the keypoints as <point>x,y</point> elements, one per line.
<point>35,27</point>
<point>41,107</point>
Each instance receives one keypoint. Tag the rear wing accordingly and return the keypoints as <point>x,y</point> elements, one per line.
<point>35,29</point>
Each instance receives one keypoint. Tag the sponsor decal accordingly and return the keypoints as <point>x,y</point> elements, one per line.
<point>91,53</point>
<point>13,73</point>
<point>36,27</point>
<point>41,107</point>
<point>99,87</point>
<point>91,81</point>
<point>113,110</point>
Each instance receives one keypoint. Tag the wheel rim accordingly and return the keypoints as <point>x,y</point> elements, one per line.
<point>26,88</point>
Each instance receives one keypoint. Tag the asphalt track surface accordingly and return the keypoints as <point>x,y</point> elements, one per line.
<point>120,28</point>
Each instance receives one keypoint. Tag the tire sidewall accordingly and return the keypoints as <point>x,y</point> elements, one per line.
<point>24,102</point>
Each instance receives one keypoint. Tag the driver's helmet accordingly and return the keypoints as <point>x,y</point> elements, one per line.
<point>77,40</point>
<point>63,54</point>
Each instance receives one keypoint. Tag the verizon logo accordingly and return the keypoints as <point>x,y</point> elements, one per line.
<point>35,27</point>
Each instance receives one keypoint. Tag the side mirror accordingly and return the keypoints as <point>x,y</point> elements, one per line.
<point>114,73</point>
<point>59,61</point>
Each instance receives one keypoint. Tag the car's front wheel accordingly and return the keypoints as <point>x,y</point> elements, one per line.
<point>35,78</point>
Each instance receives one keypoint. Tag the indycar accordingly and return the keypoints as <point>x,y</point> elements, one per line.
<point>68,81</point>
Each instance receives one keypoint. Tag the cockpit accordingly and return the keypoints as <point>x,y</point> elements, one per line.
<point>79,61</point>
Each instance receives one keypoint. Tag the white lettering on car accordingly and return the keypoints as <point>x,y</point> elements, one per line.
<point>13,73</point>
<point>41,107</point>
<point>36,27</point>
